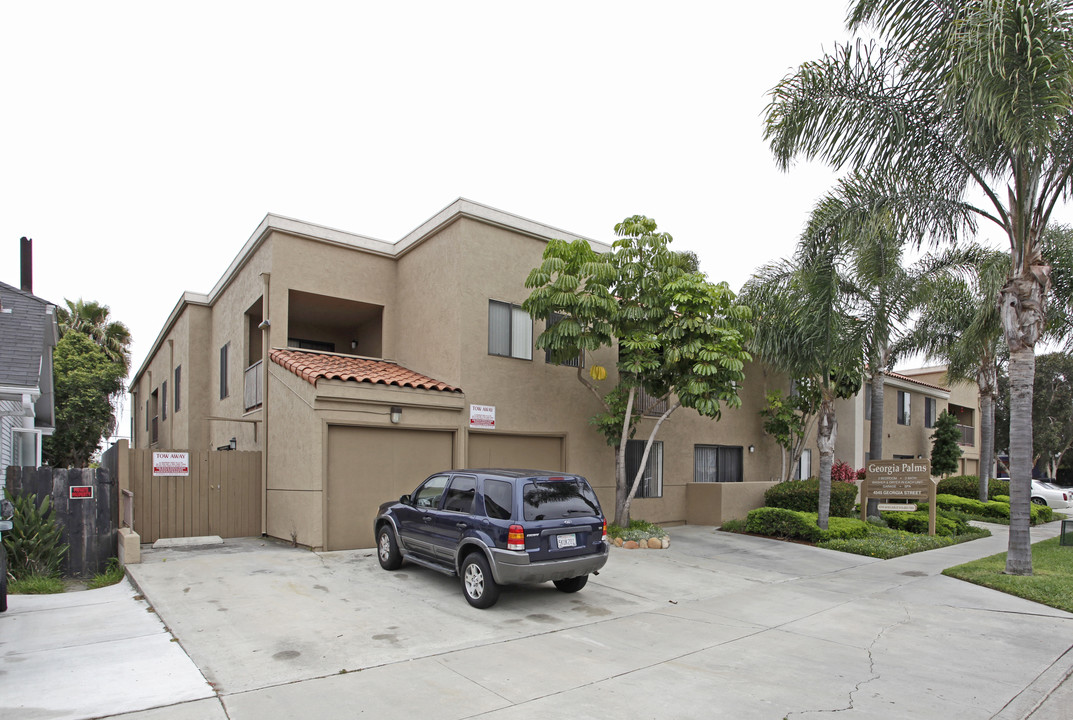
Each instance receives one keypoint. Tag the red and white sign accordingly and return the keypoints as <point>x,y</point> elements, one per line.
<point>80,492</point>
<point>171,463</point>
<point>482,416</point>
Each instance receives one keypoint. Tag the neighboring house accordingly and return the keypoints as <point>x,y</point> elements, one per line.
<point>912,401</point>
<point>358,367</point>
<point>28,334</point>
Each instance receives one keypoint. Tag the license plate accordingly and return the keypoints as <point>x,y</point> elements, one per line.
<point>5,524</point>
<point>566,541</point>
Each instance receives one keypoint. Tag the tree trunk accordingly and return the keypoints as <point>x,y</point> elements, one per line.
<point>826,430</point>
<point>1022,369</point>
<point>644,460</point>
<point>622,509</point>
<point>1022,312</point>
<point>875,436</point>
<point>987,383</point>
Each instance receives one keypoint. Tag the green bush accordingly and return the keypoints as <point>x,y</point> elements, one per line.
<point>968,486</point>
<point>792,524</point>
<point>33,543</point>
<point>946,523</point>
<point>1002,498</point>
<point>804,496</point>
<point>638,530</point>
<point>883,543</point>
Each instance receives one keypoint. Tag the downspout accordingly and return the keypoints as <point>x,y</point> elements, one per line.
<point>266,345</point>
<point>170,375</point>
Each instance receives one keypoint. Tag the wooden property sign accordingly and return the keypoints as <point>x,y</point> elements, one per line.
<point>885,480</point>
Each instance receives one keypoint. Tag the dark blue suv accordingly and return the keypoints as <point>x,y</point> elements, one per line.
<point>496,527</point>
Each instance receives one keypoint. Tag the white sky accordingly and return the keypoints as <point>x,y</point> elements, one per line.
<point>142,143</point>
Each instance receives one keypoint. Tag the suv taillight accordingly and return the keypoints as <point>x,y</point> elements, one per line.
<point>604,538</point>
<point>516,537</point>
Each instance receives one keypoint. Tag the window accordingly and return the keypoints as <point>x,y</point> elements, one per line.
<point>498,499</point>
<point>223,371</point>
<point>510,331</point>
<point>164,400</point>
<point>652,481</point>
<point>553,320</point>
<point>178,384</point>
<point>311,344</point>
<point>804,466</point>
<point>903,407</point>
<point>930,405</point>
<point>461,494</point>
<point>428,495</point>
<point>147,416</point>
<point>558,499</point>
<point>717,463</point>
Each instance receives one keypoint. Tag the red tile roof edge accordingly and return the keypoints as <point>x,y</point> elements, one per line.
<point>311,365</point>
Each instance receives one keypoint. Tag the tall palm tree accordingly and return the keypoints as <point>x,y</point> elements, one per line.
<point>92,319</point>
<point>960,95</point>
<point>959,326</point>
<point>805,328</point>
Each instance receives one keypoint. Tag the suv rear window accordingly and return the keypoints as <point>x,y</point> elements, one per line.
<point>557,499</point>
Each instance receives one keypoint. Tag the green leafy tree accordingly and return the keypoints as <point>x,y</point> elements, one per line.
<point>1052,410</point>
<point>789,420</point>
<point>944,448</point>
<point>953,97</point>
<point>93,320</point>
<point>958,325</point>
<point>805,327</point>
<point>85,379</point>
<point>678,335</point>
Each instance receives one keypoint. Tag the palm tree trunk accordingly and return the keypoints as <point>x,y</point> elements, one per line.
<point>875,435</point>
<point>1022,371</point>
<point>987,441</point>
<point>1022,312</point>
<point>826,430</point>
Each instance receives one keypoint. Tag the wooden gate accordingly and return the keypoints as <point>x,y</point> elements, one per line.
<point>221,496</point>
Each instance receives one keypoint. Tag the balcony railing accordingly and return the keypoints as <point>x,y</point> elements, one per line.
<point>968,435</point>
<point>650,405</point>
<point>252,385</point>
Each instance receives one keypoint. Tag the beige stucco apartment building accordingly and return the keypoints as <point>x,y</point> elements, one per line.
<point>359,367</point>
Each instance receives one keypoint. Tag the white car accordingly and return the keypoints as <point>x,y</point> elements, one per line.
<point>1057,498</point>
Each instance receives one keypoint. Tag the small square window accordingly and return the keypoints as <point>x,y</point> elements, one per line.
<point>510,331</point>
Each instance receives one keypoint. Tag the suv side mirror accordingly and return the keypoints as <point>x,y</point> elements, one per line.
<point>405,499</point>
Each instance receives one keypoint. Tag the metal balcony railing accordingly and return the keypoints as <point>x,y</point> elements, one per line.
<point>252,385</point>
<point>968,435</point>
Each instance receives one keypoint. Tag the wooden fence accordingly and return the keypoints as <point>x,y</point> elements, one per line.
<point>86,506</point>
<point>221,496</point>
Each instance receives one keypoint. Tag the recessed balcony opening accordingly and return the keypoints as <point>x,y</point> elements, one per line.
<point>331,324</point>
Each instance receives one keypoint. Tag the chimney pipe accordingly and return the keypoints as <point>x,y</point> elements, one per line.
<point>27,256</point>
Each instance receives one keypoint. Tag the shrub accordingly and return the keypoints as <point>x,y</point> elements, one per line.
<point>804,496</point>
<point>946,523</point>
<point>638,530</point>
<point>33,543</point>
<point>735,526</point>
<point>968,486</point>
<point>844,472</point>
<point>792,524</point>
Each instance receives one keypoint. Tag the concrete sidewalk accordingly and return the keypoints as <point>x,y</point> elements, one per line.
<point>719,625</point>
<point>90,653</point>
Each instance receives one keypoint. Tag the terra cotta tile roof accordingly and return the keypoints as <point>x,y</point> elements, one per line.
<point>918,381</point>
<point>311,366</point>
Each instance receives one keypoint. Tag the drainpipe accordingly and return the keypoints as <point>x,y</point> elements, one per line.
<point>266,347</point>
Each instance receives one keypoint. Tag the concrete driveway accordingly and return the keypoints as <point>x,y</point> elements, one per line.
<point>719,625</point>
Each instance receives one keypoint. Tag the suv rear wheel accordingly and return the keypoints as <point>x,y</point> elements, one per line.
<point>571,585</point>
<point>478,585</point>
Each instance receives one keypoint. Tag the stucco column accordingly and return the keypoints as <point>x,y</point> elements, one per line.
<point>266,347</point>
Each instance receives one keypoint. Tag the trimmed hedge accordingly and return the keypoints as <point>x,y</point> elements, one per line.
<point>968,486</point>
<point>804,496</point>
<point>793,524</point>
<point>998,509</point>
<point>917,522</point>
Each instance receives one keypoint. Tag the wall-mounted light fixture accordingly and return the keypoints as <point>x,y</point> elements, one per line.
<point>396,414</point>
<point>752,448</point>
<point>353,344</point>
<point>233,444</point>
<point>266,323</point>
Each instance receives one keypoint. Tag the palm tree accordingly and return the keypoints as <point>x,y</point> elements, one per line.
<point>961,95</point>
<point>92,319</point>
<point>959,326</point>
<point>805,329</point>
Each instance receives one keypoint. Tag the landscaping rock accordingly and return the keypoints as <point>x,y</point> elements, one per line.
<point>665,542</point>
<point>655,543</point>
<point>630,545</point>
<point>618,542</point>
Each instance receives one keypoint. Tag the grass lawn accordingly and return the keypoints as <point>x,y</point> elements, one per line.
<point>1050,584</point>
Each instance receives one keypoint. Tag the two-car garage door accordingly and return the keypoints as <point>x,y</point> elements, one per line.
<point>369,466</point>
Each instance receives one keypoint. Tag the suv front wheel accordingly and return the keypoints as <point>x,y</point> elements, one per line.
<point>387,549</point>
<point>478,584</point>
